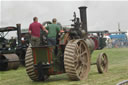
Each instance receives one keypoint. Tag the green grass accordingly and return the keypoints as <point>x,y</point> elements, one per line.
<point>118,71</point>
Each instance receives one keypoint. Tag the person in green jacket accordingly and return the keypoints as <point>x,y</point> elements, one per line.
<point>53,29</point>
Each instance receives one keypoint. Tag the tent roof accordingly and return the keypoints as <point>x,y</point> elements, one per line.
<point>120,36</point>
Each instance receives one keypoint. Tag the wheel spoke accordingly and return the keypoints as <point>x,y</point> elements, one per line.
<point>105,61</point>
<point>82,71</point>
<point>77,66</point>
<point>76,60</point>
<point>85,64</point>
<point>80,47</point>
<point>103,64</point>
<point>79,71</point>
<point>83,60</point>
<point>85,52</point>
<point>77,50</point>
<point>102,61</point>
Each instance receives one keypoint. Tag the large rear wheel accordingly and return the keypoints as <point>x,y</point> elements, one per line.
<point>29,63</point>
<point>77,59</point>
<point>34,74</point>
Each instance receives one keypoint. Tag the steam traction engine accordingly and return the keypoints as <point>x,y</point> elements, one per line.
<point>11,51</point>
<point>98,38</point>
<point>72,55</point>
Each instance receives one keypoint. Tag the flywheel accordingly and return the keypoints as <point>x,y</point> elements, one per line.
<point>77,59</point>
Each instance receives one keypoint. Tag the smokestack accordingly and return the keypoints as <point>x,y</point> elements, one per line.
<point>19,33</point>
<point>119,27</point>
<point>83,17</point>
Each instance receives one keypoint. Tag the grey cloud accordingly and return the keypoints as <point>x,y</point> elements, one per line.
<point>101,15</point>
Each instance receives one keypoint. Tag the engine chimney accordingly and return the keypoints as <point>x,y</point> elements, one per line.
<point>19,33</point>
<point>83,17</point>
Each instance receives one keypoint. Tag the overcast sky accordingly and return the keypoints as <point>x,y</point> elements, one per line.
<point>101,15</point>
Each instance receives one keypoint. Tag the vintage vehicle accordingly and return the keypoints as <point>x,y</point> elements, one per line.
<point>71,55</point>
<point>98,38</point>
<point>12,51</point>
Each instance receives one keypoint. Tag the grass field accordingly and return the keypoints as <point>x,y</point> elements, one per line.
<point>118,71</point>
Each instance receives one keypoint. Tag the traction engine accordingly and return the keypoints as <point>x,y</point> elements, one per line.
<point>72,55</point>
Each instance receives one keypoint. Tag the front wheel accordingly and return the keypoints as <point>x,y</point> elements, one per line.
<point>102,63</point>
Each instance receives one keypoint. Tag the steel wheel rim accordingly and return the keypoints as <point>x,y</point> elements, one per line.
<point>102,63</point>
<point>81,60</point>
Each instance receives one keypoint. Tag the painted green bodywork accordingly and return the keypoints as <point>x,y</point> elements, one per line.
<point>46,55</point>
<point>41,54</point>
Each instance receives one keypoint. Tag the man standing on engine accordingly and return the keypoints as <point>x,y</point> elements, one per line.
<point>34,30</point>
<point>53,29</point>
